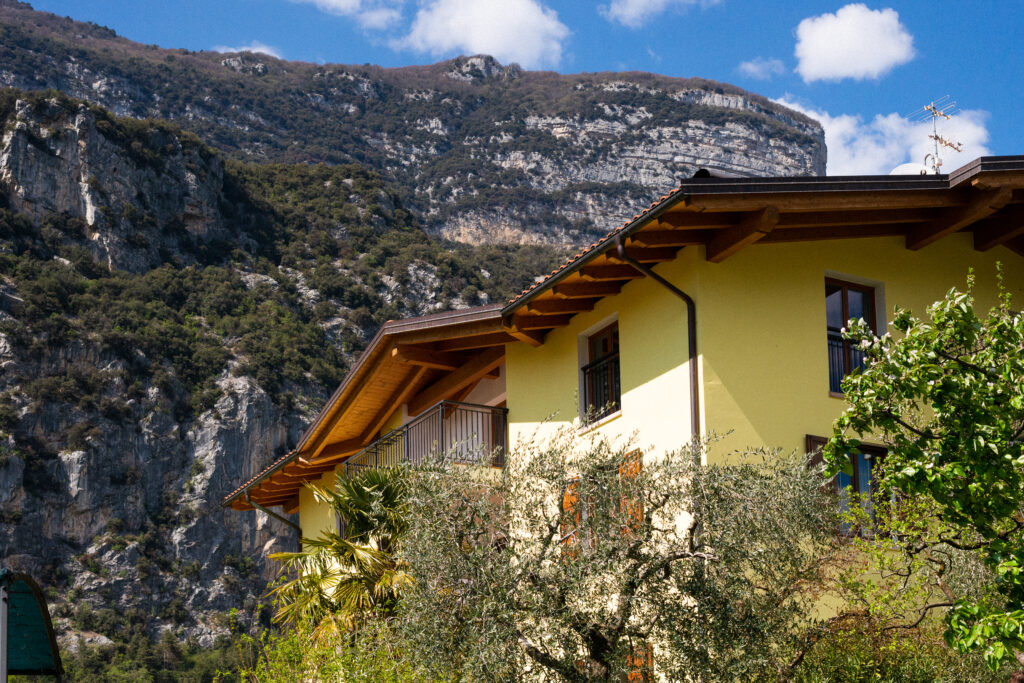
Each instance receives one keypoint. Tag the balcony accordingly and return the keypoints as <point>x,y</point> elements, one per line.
<point>843,358</point>
<point>466,432</point>
<point>601,388</point>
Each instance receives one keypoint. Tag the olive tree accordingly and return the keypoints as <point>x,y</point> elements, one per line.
<point>946,395</point>
<point>585,560</point>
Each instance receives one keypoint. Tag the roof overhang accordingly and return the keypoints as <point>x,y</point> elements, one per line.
<point>422,360</point>
<point>416,362</point>
<point>726,215</point>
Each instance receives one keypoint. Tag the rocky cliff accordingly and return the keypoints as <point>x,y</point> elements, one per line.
<point>169,323</point>
<point>482,151</point>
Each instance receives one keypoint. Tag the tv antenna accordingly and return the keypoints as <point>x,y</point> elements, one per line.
<point>942,108</point>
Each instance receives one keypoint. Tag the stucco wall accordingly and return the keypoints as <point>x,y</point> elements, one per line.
<point>761,338</point>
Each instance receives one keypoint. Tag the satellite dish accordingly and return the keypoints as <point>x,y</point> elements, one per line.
<point>911,168</point>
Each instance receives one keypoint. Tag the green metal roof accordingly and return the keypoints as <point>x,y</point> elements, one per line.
<point>31,645</point>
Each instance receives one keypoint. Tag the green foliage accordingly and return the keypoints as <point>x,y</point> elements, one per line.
<point>579,558</point>
<point>861,652</point>
<point>374,653</point>
<point>341,580</point>
<point>947,398</point>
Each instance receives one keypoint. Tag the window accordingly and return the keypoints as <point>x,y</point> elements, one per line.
<point>862,483</point>
<point>845,301</point>
<point>601,374</point>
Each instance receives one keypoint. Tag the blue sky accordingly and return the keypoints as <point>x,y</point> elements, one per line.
<point>858,68</point>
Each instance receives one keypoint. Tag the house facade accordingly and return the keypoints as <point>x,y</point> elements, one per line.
<point>716,310</point>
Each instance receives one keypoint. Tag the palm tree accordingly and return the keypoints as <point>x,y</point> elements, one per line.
<point>343,578</point>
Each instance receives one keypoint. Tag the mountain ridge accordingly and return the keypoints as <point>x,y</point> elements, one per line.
<point>479,150</point>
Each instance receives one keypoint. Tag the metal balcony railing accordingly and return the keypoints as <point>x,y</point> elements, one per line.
<point>843,358</point>
<point>601,387</point>
<point>463,432</point>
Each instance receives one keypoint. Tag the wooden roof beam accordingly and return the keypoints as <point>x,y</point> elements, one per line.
<point>479,341</point>
<point>748,231</point>
<point>417,355</point>
<point>478,366</point>
<point>1016,245</point>
<point>999,228</point>
<point>982,205</point>
<point>534,338</point>
<point>587,290</point>
<point>671,238</point>
<point>526,323</point>
<point>561,305</point>
<point>646,254</point>
<point>820,219</point>
<point>613,271</point>
<point>290,507</point>
<point>336,451</point>
<point>401,395</point>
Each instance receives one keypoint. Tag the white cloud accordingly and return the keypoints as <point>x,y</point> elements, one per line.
<point>856,147</point>
<point>370,14</point>
<point>523,31</point>
<point>855,42</point>
<point>761,68</point>
<point>636,13</point>
<point>254,46</point>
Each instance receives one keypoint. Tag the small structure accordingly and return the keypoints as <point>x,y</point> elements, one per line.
<point>27,642</point>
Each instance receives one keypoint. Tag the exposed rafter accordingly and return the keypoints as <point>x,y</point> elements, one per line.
<point>534,338</point>
<point>478,366</point>
<point>479,341</point>
<point>999,228</point>
<point>417,355</point>
<point>672,238</point>
<point>749,230</point>
<point>613,271</point>
<point>561,305</point>
<point>540,322</point>
<point>400,396</point>
<point>647,254</point>
<point>587,290</point>
<point>337,451</point>
<point>981,205</point>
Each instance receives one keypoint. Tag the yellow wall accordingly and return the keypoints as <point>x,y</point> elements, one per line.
<point>761,338</point>
<point>315,518</point>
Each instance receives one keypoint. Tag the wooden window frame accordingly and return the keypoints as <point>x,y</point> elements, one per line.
<point>815,445</point>
<point>611,407</point>
<point>871,292</point>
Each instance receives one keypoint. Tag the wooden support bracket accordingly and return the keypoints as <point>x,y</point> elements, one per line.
<point>746,232</point>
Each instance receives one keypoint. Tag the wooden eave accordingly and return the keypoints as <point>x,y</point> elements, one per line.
<point>407,362</point>
<point>420,360</point>
<point>726,215</point>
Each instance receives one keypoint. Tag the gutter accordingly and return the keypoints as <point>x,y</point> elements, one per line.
<point>691,331</point>
<point>273,514</point>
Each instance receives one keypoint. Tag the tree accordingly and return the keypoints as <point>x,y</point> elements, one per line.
<point>585,561</point>
<point>342,579</point>
<point>947,398</point>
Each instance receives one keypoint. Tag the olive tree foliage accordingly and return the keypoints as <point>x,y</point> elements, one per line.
<point>579,563</point>
<point>947,397</point>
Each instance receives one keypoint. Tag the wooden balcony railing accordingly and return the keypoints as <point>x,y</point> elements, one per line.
<point>463,432</point>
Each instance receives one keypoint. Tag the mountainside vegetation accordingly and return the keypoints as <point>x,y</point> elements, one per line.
<point>478,149</point>
<point>133,398</point>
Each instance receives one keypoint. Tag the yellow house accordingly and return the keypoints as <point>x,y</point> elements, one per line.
<point>716,309</point>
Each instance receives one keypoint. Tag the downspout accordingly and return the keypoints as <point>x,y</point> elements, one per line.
<point>691,332</point>
<point>273,514</point>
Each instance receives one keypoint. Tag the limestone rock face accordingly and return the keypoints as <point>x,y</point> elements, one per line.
<point>84,518</point>
<point>131,198</point>
<point>484,152</point>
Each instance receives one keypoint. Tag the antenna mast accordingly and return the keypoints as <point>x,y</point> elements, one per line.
<point>942,108</point>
